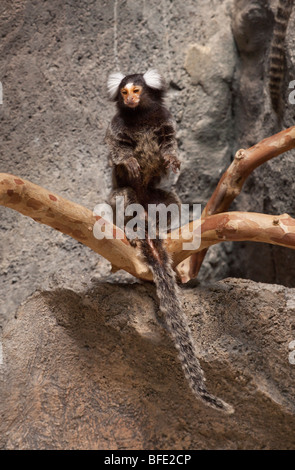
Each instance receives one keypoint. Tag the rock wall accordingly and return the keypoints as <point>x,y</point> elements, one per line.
<point>270,189</point>
<point>93,370</point>
<point>75,358</point>
<point>55,59</point>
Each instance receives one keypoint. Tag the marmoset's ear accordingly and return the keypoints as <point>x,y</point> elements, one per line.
<point>154,80</point>
<point>113,84</point>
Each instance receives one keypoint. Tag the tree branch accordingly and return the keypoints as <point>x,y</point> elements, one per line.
<point>70,218</point>
<point>232,226</point>
<point>75,220</point>
<point>231,184</point>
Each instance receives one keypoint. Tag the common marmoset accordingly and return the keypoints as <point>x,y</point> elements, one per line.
<point>143,148</point>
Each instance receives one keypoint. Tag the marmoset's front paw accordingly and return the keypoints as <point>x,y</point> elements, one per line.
<point>133,168</point>
<point>171,161</point>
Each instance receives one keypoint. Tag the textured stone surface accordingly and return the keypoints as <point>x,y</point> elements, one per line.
<point>270,189</point>
<point>54,62</point>
<point>94,370</point>
<point>85,364</point>
<point>53,67</point>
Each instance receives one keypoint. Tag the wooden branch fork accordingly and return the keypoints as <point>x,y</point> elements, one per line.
<point>231,184</point>
<point>215,226</point>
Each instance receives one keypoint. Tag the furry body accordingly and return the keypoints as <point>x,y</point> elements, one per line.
<point>142,143</point>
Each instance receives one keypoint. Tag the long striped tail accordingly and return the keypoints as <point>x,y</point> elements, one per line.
<point>277,62</point>
<point>169,296</point>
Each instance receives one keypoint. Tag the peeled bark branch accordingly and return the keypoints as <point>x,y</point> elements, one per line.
<point>233,226</point>
<point>75,220</point>
<point>231,184</point>
<point>70,218</point>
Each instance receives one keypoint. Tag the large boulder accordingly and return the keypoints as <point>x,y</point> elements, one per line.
<point>95,370</point>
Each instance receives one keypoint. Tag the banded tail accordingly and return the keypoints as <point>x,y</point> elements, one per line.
<point>169,296</point>
<point>277,61</point>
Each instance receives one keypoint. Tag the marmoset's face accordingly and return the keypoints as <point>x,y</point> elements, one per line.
<point>131,94</point>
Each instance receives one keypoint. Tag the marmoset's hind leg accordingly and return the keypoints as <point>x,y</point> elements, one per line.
<point>171,212</point>
<point>129,197</point>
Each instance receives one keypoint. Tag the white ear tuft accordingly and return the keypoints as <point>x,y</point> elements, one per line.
<point>153,79</point>
<point>113,83</point>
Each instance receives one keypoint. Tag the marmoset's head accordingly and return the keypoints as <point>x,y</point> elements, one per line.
<point>137,90</point>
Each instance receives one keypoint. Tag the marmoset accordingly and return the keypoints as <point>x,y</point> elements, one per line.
<point>143,149</point>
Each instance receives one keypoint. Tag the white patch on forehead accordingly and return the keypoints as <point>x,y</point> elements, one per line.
<point>129,86</point>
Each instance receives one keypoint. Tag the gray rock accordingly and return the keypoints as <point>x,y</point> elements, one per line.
<point>54,64</point>
<point>94,370</point>
<point>270,187</point>
<point>87,366</point>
